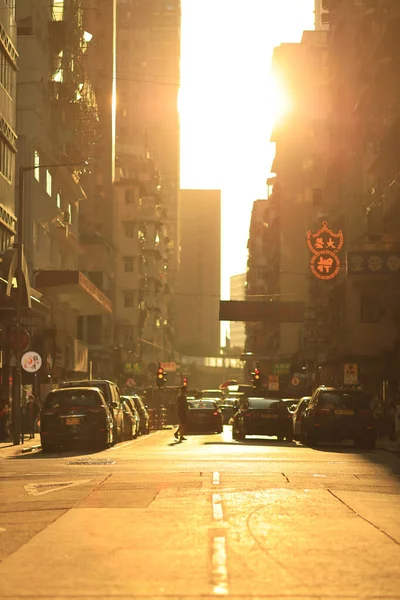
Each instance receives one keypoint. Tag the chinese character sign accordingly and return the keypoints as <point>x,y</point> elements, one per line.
<point>325,245</point>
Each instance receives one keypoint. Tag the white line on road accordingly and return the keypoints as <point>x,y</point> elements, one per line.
<point>215,478</point>
<point>39,489</point>
<point>2,529</point>
<point>219,566</point>
<point>217,507</point>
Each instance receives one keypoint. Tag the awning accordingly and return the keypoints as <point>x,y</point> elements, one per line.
<point>75,289</point>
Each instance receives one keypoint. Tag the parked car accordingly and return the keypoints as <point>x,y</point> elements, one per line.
<point>262,416</point>
<point>111,394</point>
<point>131,418</point>
<point>297,418</point>
<point>75,414</point>
<point>338,414</point>
<point>214,394</point>
<point>143,414</point>
<point>291,403</point>
<point>204,415</point>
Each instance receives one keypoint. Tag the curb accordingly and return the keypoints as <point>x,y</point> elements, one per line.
<point>30,448</point>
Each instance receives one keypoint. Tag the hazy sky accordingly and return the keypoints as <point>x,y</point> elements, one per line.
<point>226,105</point>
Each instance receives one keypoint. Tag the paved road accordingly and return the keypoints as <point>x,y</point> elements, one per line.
<point>205,518</point>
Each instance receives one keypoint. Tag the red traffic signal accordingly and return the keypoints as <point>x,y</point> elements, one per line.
<point>160,376</point>
<point>256,374</point>
<point>185,382</point>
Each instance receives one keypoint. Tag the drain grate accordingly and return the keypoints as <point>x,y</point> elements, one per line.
<point>92,461</point>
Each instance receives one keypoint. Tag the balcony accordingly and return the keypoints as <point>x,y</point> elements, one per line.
<point>75,289</point>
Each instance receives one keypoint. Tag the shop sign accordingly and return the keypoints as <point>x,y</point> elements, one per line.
<point>325,246</point>
<point>31,362</point>
<point>350,374</point>
<point>168,366</point>
<point>281,368</point>
<point>373,263</point>
<point>273,382</point>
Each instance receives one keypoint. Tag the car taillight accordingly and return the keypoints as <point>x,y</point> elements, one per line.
<point>322,411</point>
<point>248,413</point>
<point>96,409</point>
<point>215,413</point>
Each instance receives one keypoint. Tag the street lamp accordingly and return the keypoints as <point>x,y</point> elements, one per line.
<point>16,398</point>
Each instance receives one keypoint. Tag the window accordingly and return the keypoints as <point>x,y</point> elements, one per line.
<point>36,162</point>
<point>129,334</point>
<point>49,183</point>
<point>58,200</point>
<point>69,213</point>
<point>130,196</point>
<point>370,307</point>
<point>6,73</point>
<point>58,10</point>
<point>129,228</point>
<point>128,299</point>
<point>6,160</point>
<point>128,264</point>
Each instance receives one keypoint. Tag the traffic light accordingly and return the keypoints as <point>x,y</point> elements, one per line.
<point>256,376</point>
<point>160,376</point>
<point>185,382</point>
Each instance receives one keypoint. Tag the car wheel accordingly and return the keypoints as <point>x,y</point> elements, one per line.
<point>311,440</point>
<point>365,444</point>
<point>289,438</point>
<point>280,438</point>
<point>47,448</point>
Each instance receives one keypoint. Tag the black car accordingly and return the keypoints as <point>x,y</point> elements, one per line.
<point>263,416</point>
<point>75,414</point>
<point>131,418</point>
<point>338,414</point>
<point>111,394</point>
<point>143,414</point>
<point>204,415</point>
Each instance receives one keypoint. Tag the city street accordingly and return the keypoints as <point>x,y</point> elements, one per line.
<point>208,517</point>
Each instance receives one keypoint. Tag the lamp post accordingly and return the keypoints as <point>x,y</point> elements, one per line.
<point>16,399</point>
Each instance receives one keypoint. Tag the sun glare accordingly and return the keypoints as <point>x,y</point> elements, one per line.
<point>229,101</point>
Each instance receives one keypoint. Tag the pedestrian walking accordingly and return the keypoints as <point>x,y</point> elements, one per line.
<point>31,415</point>
<point>182,407</point>
<point>4,419</point>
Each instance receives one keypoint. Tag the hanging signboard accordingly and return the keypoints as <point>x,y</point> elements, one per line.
<point>350,375</point>
<point>31,362</point>
<point>273,382</point>
<point>325,246</point>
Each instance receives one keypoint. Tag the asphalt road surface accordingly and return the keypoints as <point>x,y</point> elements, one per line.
<point>205,518</point>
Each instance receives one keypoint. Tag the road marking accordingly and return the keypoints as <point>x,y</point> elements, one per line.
<point>39,489</point>
<point>215,478</point>
<point>318,475</point>
<point>219,566</point>
<point>217,507</point>
<point>2,529</point>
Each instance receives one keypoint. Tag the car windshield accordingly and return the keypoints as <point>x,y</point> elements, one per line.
<point>203,404</point>
<point>263,403</point>
<point>212,393</point>
<point>339,399</point>
<point>68,398</point>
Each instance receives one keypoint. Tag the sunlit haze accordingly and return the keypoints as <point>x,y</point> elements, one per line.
<point>228,102</point>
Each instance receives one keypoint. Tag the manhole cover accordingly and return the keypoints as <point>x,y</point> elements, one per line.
<point>92,461</point>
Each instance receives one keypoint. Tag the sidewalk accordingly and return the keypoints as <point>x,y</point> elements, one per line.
<point>384,443</point>
<point>8,449</point>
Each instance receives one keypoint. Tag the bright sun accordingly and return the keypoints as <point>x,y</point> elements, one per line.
<point>228,103</point>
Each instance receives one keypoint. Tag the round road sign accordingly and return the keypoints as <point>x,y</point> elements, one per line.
<point>295,381</point>
<point>31,362</point>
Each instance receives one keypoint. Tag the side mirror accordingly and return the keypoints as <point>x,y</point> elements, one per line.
<point>114,404</point>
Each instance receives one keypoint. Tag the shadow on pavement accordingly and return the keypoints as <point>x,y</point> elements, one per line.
<point>254,442</point>
<point>68,453</point>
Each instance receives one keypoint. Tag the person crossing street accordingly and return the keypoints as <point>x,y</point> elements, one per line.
<point>182,407</point>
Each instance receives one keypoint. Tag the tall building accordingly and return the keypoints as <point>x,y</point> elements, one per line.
<point>57,128</point>
<point>321,15</point>
<point>8,141</point>
<point>142,320</point>
<point>237,329</point>
<point>278,264</point>
<point>198,293</point>
<point>147,125</point>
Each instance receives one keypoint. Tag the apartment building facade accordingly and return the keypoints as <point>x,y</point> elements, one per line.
<point>198,292</point>
<point>237,329</point>
<point>57,120</point>
<point>361,189</point>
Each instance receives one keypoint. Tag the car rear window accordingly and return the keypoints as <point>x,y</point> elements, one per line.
<point>68,398</point>
<point>263,403</point>
<point>208,405</point>
<point>337,399</point>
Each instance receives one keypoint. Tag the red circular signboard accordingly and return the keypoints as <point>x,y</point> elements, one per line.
<point>24,339</point>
